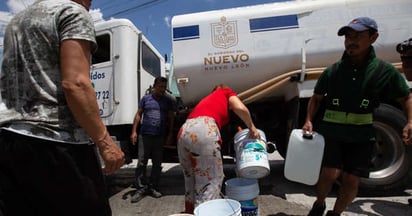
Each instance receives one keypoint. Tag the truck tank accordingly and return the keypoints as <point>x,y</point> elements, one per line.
<point>272,55</point>
<point>247,46</point>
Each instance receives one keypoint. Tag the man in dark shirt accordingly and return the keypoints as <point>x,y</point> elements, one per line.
<point>155,116</point>
<point>405,51</point>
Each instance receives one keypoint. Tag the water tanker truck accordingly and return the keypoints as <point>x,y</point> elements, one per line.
<point>272,55</point>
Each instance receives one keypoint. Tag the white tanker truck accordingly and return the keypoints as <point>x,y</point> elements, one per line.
<point>272,54</point>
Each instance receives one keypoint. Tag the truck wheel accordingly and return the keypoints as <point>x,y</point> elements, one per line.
<point>390,171</point>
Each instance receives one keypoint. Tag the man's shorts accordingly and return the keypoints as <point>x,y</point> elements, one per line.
<point>353,158</point>
<point>40,177</point>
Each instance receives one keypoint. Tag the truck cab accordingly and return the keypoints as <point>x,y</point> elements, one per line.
<point>123,69</point>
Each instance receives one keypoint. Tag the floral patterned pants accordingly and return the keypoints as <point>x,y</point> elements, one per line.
<point>199,146</point>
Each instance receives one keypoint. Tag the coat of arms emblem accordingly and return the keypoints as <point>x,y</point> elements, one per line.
<point>224,33</point>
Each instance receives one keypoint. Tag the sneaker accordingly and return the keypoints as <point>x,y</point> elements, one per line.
<point>317,209</point>
<point>154,193</point>
<point>138,195</point>
<point>332,213</point>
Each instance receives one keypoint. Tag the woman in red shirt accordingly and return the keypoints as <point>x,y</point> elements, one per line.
<point>199,144</point>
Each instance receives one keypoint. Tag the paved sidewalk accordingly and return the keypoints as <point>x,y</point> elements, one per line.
<point>269,205</point>
<point>278,196</point>
<point>172,201</point>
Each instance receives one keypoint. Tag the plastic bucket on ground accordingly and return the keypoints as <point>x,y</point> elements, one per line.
<point>218,207</point>
<point>304,157</point>
<point>246,191</point>
<point>251,156</point>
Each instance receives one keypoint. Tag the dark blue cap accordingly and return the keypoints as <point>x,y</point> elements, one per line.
<point>359,24</point>
<point>404,46</point>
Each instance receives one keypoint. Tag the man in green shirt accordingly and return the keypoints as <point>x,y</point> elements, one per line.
<point>350,90</point>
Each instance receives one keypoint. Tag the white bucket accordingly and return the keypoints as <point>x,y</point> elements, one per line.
<point>304,157</point>
<point>182,214</point>
<point>251,156</point>
<point>246,191</point>
<point>219,207</point>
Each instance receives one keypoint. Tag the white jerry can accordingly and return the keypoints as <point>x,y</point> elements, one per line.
<point>304,157</point>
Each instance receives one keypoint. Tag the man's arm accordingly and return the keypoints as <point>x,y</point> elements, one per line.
<point>136,122</point>
<point>407,130</point>
<point>81,99</point>
<point>313,107</point>
<point>171,119</point>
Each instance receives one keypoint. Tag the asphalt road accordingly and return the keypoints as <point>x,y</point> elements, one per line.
<point>278,196</point>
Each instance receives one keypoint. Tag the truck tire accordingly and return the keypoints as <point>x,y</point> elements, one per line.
<point>390,165</point>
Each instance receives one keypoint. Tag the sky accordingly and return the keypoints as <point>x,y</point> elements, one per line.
<point>152,17</point>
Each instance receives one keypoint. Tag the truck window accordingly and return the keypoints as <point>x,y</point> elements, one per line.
<point>102,53</point>
<point>150,61</point>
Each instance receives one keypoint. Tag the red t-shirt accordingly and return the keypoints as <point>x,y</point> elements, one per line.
<point>215,105</point>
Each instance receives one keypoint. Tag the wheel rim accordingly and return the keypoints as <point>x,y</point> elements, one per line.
<point>387,158</point>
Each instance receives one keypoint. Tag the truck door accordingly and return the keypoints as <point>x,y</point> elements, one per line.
<point>101,73</point>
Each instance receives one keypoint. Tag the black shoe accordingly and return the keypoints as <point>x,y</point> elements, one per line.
<point>154,193</point>
<point>332,213</point>
<point>410,202</point>
<point>317,209</point>
<point>140,193</point>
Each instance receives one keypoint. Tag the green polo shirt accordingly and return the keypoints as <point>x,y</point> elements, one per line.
<point>347,83</point>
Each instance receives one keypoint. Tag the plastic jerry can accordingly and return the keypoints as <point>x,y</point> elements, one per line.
<point>304,157</point>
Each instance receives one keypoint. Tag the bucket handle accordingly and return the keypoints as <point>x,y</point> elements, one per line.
<point>223,196</point>
<point>233,209</point>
